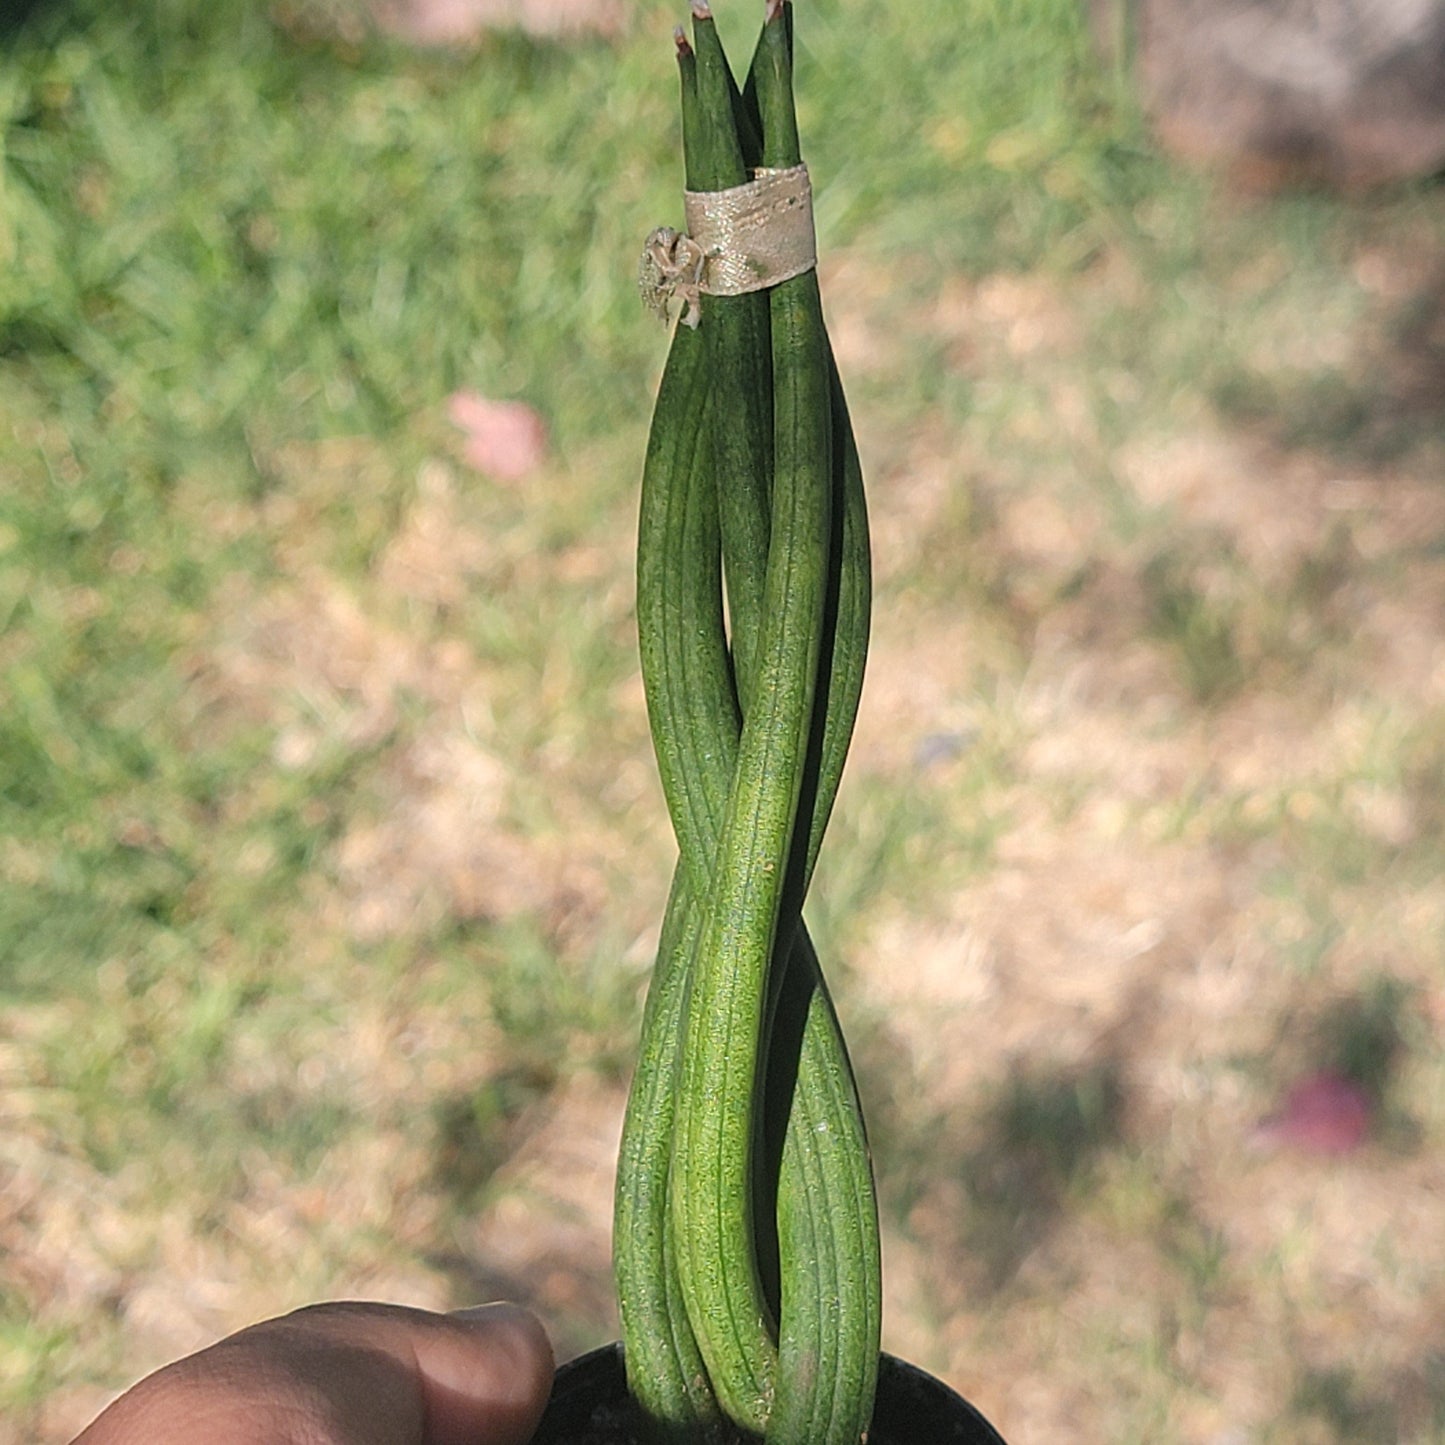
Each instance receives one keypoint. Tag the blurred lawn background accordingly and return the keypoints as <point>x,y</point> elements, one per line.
<point>331,854</point>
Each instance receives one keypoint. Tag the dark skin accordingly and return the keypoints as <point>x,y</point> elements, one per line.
<point>347,1374</point>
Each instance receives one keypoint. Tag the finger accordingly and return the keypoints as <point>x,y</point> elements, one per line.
<point>348,1374</point>
<point>478,1377</point>
<point>513,1390</point>
<point>484,1373</point>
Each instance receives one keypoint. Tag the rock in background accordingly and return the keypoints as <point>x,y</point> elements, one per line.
<point>1347,93</point>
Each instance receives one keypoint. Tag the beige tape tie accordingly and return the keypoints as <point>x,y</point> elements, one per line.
<point>743,239</point>
<point>754,235</point>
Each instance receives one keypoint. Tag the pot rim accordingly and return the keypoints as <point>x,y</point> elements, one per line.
<point>912,1405</point>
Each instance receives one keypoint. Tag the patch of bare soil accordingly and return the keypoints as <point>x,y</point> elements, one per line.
<point>545,1235</point>
<point>333,669</point>
<point>1094,1026</point>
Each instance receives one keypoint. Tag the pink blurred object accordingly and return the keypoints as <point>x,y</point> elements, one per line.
<point>505,439</point>
<point>459,22</point>
<point>1325,1113</point>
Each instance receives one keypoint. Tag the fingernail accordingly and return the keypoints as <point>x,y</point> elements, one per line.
<point>526,1330</point>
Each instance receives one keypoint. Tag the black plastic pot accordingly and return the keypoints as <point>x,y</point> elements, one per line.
<point>590,1406</point>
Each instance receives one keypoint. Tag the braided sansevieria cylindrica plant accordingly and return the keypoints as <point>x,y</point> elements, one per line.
<point>746,1231</point>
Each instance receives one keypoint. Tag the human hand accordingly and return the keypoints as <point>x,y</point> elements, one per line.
<point>347,1374</point>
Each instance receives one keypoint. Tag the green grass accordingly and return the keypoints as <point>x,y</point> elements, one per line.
<point>326,896</point>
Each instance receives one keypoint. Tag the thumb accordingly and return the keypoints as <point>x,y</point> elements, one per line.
<point>486,1373</point>
<point>348,1374</point>
<point>481,1375</point>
